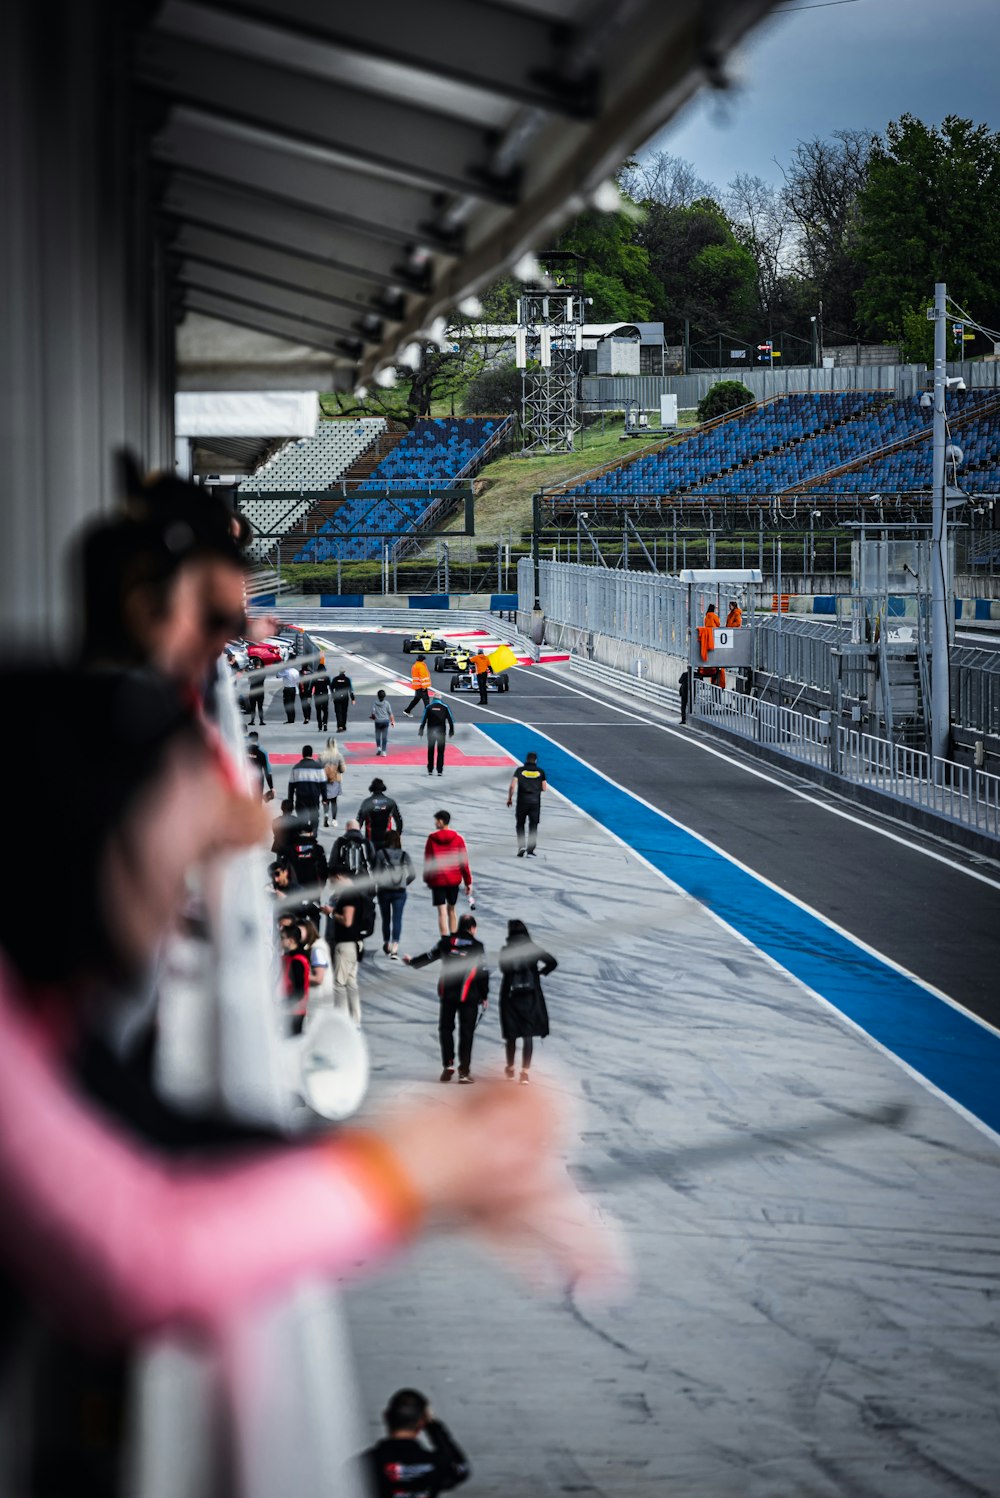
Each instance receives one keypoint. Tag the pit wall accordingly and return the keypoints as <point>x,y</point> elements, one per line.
<point>491,603</point>
<point>658,666</point>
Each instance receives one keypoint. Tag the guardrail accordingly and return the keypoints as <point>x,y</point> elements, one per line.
<point>958,793</point>
<point>624,681</point>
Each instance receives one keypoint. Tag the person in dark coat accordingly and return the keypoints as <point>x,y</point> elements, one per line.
<point>523,1015</point>
<point>684,692</point>
<point>319,685</point>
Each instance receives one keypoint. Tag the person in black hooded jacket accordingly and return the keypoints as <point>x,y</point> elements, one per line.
<point>401,1465</point>
<point>463,988</point>
<point>523,1013</point>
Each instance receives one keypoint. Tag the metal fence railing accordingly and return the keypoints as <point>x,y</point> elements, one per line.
<point>958,793</point>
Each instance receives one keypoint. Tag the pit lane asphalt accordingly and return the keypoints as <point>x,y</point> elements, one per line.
<point>931,908</point>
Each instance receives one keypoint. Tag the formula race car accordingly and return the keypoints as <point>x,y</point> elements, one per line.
<point>465,681</point>
<point>453,660</point>
<point>425,644</point>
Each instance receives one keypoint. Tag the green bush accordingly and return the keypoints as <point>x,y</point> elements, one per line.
<point>494,390</point>
<point>727,395</point>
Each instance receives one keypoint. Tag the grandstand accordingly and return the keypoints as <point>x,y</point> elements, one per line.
<point>840,443</point>
<point>279,496</point>
<point>438,453</point>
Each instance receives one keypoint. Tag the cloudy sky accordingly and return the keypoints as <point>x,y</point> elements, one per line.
<point>847,64</point>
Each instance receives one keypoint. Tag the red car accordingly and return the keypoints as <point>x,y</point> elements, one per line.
<point>264,654</point>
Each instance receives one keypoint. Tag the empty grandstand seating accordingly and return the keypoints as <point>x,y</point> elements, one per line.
<point>300,467</point>
<point>800,440</point>
<point>435,454</point>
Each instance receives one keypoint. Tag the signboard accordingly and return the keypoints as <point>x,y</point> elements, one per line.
<point>737,353</point>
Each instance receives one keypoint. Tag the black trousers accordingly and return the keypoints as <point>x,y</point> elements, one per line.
<point>481,684</point>
<point>435,746</point>
<point>340,706</point>
<point>466,1014</point>
<point>306,701</point>
<point>422,694</point>
<point>322,711</point>
<point>288,696</point>
<point>527,811</point>
<point>527,1046</point>
<point>256,705</point>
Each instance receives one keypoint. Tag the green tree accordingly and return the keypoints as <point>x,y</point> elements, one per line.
<point>820,194</point>
<point>704,273</point>
<point>930,211</point>
<point>617,275</point>
<point>726,395</point>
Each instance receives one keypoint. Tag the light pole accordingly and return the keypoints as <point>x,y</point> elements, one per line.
<point>940,686</point>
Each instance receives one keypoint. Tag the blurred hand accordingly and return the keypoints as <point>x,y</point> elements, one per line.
<point>496,1169</point>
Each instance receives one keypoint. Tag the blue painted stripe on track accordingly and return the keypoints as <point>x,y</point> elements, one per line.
<point>947,1047</point>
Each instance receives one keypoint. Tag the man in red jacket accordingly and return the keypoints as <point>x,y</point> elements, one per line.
<point>446,869</point>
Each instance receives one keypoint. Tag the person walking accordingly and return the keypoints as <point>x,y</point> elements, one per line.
<point>260,767</point>
<point>342,689</point>
<point>334,766</point>
<point>523,1013</point>
<point>393,871</point>
<point>305,691</point>
<point>481,666</point>
<point>319,683</point>
<point>289,679</point>
<point>305,788</point>
<point>446,869</point>
<point>463,992</point>
<point>352,853</point>
<point>294,976</point>
<point>342,934</point>
<point>684,692</point>
<point>381,716</point>
<point>439,723</point>
<point>528,782</point>
<point>378,815</point>
<point>256,678</point>
<point>402,1463</point>
<point>320,957</point>
<point>420,680</point>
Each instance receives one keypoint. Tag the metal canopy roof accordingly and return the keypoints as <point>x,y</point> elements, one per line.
<point>338,177</point>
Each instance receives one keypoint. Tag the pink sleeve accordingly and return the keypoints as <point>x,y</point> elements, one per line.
<point>119,1242</point>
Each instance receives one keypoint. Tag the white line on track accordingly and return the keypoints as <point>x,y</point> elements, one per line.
<point>772,962</point>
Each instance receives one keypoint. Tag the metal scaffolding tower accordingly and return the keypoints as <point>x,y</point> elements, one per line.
<point>550,317</point>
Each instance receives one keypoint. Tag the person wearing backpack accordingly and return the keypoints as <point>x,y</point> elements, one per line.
<point>523,1014</point>
<point>352,854</point>
<point>379,815</point>
<point>438,722</point>
<point>393,872</point>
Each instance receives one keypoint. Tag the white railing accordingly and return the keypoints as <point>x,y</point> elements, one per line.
<point>958,793</point>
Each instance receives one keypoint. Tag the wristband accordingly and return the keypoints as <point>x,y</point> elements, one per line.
<point>379,1174</point>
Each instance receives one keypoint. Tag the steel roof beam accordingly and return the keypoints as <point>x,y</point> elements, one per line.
<point>283,268</point>
<point>261,319</point>
<point>411,143</point>
<point>300,305</point>
<point>370,262</point>
<point>522,57</point>
<point>198,145</point>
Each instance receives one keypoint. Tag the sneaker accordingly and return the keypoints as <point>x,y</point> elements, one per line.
<point>524,1077</point>
<point>394,956</point>
<point>406,712</point>
<point>530,853</point>
<point>463,1076</point>
<point>447,1074</point>
<point>430,772</point>
<point>440,772</point>
<point>508,1071</point>
<point>385,948</point>
<point>520,852</point>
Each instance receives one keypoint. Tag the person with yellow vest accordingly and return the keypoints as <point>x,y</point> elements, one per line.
<point>481,665</point>
<point>420,680</point>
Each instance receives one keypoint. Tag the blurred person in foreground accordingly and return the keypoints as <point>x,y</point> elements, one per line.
<point>122,1220</point>
<point>402,1465</point>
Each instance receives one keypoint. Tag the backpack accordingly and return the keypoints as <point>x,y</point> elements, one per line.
<point>364,914</point>
<point>380,818</point>
<point>393,869</point>
<point>351,858</point>
<point>437,715</point>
